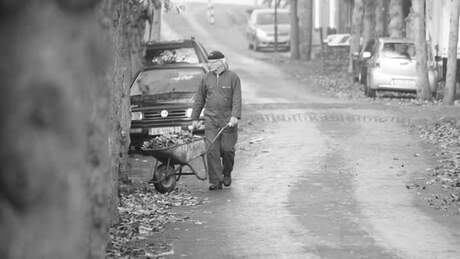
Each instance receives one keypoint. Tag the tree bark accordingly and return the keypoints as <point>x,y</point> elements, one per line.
<point>451,77</point>
<point>127,30</point>
<point>55,177</point>
<point>395,28</point>
<point>63,145</point>
<point>381,13</point>
<point>306,27</point>
<point>423,88</point>
<point>156,21</point>
<point>357,20</point>
<point>369,20</point>
<point>295,53</point>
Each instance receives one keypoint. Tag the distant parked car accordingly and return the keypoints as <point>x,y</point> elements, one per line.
<point>186,51</point>
<point>337,40</point>
<point>388,64</point>
<point>260,31</point>
<point>162,99</point>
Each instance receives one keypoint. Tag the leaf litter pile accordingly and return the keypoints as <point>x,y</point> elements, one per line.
<point>169,140</point>
<point>444,179</point>
<point>144,212</point>
<point>327,75</point>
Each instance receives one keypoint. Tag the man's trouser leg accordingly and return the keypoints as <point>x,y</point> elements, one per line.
<point>213,156</point>
<point>227,149</point>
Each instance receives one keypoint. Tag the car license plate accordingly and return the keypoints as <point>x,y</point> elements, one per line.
<point>401,83</point>
<point>164,130</point>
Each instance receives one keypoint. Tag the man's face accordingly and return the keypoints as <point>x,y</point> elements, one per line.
<point>216,64</point>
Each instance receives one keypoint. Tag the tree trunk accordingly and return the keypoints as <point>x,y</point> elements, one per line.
<point>357,20</point>
<point>369,20</point>
<point>423,89</point>
<point>157,19</point>
<point>395,28</point>
<point>55,177</point>
<point>63,145</point>
<point>306,27</point>
<point>381,13</point>
<point>451,77</point>
<point>127,32</point>
<point>295,54</point>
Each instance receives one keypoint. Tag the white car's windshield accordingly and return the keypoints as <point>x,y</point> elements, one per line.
<point>398,50</point>
<point>161,81</point>
<point>269,18</point>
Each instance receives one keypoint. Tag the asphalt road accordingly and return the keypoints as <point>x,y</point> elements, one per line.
<point>323,180</point>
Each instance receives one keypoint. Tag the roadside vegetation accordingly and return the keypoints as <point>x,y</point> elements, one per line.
<point>144,212</point>
<point>442,183</point>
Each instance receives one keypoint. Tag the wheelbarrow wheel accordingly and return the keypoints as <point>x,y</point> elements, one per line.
<point>164,178</point>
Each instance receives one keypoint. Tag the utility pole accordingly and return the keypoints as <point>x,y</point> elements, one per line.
<point>294,21</point>
<point>451,76</point>
<point>276,25</point>
<point>211,18</point>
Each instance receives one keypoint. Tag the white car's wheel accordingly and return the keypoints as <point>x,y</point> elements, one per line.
<point>370,92</point>
<point>256,45</point>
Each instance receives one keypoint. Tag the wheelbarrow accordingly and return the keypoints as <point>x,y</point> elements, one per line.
<point>170,161</point>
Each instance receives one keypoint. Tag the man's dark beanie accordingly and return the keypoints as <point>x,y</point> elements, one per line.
<point>216,55</point>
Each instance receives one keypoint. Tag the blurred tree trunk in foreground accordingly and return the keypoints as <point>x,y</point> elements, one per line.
<point>357,19</point>
<point>395,27</point>
<point>295,54</point>
<point>451,79</point>
<point>305,8</point>
<point>65,123</point>
<point>423,87</point>
<point>55,179</point>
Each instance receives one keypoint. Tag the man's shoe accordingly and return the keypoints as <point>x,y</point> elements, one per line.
<point>216,186</point>
<point>227,180</point>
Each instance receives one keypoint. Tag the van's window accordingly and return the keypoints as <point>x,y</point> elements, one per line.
<point>160,81</point>
<point>170,56</point>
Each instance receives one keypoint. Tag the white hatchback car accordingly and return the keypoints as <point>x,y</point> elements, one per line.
<point>391,66</point>
<point>260,31</point>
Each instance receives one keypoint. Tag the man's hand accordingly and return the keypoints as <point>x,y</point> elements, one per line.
<point>233,122</point>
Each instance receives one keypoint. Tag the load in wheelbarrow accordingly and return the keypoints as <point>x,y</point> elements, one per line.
<point>171,161</point>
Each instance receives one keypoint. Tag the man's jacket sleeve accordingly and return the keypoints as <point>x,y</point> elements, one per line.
<point>200,98</point>
<point>236,102</point>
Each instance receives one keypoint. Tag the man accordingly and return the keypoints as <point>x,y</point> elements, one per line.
<point>220,96</point>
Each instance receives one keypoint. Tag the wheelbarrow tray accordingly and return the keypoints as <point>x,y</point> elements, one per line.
<point>181,153</point>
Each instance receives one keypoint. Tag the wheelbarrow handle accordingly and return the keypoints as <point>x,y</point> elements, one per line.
<point>219,133</point>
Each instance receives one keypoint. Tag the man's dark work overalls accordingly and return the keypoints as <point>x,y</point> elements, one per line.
<point>220,96</point>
